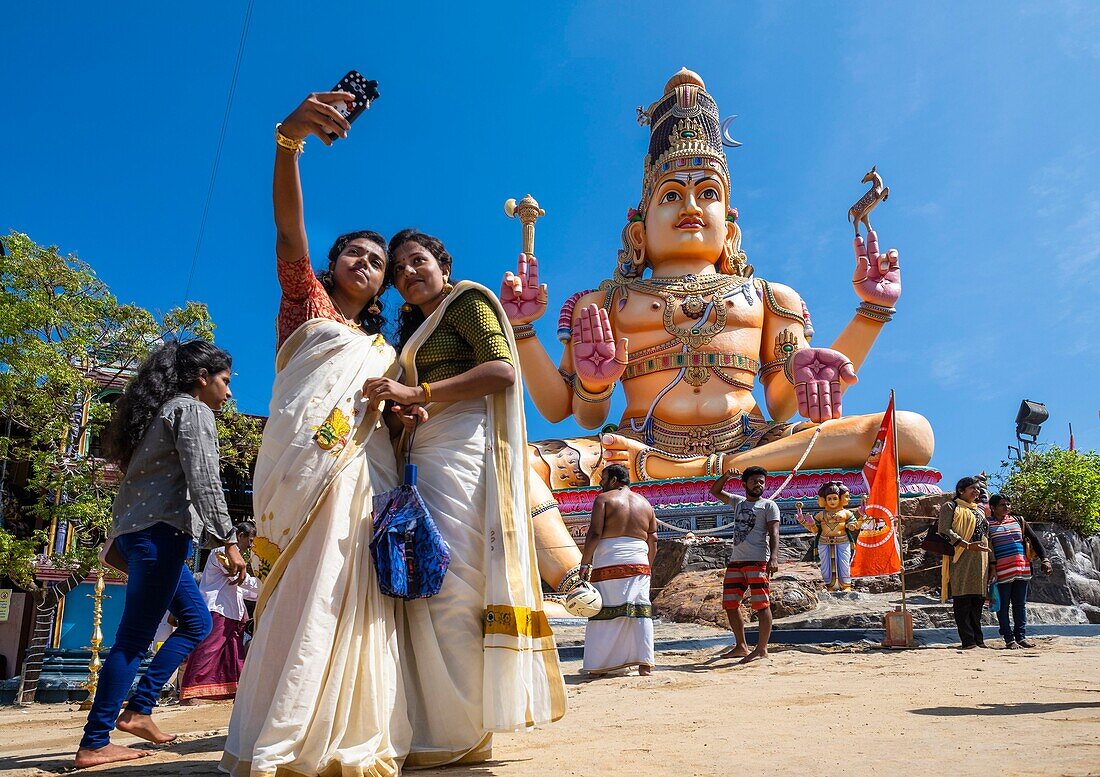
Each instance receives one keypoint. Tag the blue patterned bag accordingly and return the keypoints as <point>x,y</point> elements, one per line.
<point>410,555</point>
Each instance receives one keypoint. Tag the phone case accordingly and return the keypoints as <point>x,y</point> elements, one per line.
<point>365,92</point>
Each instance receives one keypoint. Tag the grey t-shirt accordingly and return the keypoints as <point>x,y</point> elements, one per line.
<point>750,527</point>
<point>174,476</point>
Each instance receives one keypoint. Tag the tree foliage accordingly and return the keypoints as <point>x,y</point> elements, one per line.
<point>1056,485</point>
<point>63,335</point>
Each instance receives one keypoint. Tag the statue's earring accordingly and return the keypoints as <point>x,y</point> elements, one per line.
<point>448,287</point>
<point>375,308</point>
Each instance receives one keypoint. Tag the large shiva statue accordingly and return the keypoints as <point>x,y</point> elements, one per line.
<point>687,328</point>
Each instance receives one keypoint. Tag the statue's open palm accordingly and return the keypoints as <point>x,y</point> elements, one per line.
<point>877,277</point>
<point>597,357</point>
<point>820,377</point>
<point>521,294</point>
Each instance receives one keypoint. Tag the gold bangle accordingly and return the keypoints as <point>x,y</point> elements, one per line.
<point>290,144</point>
<point>427,392</point>
<point>586,396</point>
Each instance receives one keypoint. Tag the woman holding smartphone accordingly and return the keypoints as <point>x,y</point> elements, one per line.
<point>479,656</point>
<point>164,439</point>
<point>320,692</point>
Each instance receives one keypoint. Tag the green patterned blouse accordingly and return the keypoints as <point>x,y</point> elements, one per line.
<point>468,335</point>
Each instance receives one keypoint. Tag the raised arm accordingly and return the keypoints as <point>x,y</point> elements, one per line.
<point>717,488</point>
<point>315,116</point>
<point>524,301</point>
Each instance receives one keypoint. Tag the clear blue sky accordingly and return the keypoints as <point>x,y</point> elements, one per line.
<point>978,116</point>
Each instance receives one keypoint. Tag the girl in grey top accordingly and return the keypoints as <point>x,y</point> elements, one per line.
<point>163,438</point>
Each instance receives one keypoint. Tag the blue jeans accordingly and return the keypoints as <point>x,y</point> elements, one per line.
<point>159,581</point>
<point>1013,593</point>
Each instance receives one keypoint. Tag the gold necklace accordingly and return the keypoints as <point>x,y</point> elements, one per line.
<point>690,291</point>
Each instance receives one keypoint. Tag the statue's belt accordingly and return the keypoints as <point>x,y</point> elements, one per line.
<point>698,439</point>
<point>676,361</point>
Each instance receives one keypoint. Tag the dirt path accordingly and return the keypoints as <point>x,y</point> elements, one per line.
<point>807,711</point>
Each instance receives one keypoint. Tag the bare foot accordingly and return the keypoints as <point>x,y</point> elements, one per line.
<point>142,726</point>
<point>108,754</point>
<point>737,651</point>
<point>756,655</point>
<point>644,670</point>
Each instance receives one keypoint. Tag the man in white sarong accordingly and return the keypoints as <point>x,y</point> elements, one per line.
<point>618,555</point>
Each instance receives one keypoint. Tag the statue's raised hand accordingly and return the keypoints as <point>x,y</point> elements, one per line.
<point>877,277</point>
<point>820,377</point>
<point>521,294</point>
<point>598,359</point>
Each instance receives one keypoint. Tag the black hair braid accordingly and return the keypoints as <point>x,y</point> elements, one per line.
<point>172,369</point>
<point>410,317</point>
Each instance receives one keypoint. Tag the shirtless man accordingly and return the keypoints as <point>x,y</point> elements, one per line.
<point>618,554</point>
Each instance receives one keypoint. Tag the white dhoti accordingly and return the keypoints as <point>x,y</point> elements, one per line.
<point>621,634</point>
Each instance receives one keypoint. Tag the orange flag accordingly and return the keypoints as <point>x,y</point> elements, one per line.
<point>877,550</point>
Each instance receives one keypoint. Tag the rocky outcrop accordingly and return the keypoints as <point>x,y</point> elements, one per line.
<point>1076,576</point>
<point>696,597</point>
<point>681,555</point>
<point>687,581</point>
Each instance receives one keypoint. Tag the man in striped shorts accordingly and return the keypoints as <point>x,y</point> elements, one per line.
<point>755,556</point>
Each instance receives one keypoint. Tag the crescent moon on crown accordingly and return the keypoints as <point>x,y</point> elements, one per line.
<point>728,141</point>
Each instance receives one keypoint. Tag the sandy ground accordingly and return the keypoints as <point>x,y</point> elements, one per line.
<point>806,711</point>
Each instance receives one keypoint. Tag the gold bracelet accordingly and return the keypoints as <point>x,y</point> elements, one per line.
<point>290,144</point>
<point>427,392</point>
<point>585,396</point>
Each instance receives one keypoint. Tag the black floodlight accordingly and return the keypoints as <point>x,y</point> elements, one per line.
<point>1029,420</point>
<point>1031,417</point>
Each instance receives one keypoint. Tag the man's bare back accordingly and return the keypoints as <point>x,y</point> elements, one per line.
<point>619,512</point>
<point>625,514</point>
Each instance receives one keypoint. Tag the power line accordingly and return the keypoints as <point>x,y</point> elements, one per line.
<point>218,154</point>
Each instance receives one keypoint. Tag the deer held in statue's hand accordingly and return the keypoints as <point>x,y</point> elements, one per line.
<point>861,211</point>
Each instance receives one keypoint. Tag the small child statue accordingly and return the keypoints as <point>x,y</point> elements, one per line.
<point>835,530</point>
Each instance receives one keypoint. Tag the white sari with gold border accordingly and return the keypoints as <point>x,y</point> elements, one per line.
<point>321,692</point>
<point>479,656</point>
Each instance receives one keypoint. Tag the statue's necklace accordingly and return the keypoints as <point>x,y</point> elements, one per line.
<point>690,292</point>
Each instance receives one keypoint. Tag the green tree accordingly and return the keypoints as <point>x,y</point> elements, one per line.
<point>63,337</point>
<point>1056,485</point>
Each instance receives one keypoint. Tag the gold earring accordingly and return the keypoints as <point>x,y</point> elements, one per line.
<point>448,287</point>
<point>406,308</point>
<point>374,308</point>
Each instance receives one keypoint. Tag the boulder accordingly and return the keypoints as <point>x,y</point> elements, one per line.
<point>696,597</point>
<point>693,597</point>
<point>687,555</point>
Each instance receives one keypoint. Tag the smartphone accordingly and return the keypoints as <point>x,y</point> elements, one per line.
<point>365,92</point>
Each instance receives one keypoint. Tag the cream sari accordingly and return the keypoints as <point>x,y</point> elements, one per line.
<point>321,692</point>
<point>479,656</point>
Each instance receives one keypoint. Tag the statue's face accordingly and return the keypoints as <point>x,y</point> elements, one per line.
<point>686,217</point>
<point>832,501</point>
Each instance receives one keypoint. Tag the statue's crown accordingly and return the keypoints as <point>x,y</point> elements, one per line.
<point>685,132</point>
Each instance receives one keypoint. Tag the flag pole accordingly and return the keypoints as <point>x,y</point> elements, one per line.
<point>897,486</point>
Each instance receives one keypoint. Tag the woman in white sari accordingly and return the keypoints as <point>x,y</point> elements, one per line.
<point>321,693</point>
<point>479,656</point>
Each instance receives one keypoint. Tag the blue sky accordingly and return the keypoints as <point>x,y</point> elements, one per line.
<point>978,117</point>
